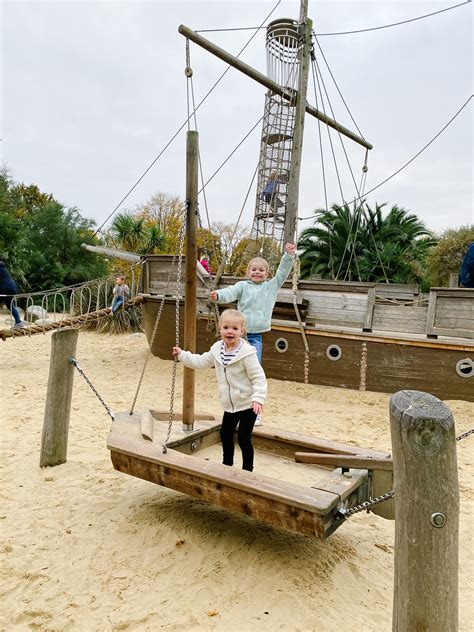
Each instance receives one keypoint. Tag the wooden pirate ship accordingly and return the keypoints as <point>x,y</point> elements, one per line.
<point>367,336</point>
<point>356,335</point>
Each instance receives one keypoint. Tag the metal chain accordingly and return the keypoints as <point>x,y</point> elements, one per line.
<point>294,287</point>
<point>153,335</point>
<point>95,391</point>
<point>213,308</point>
<point>175,359</point>
<point>346,513</point>
<point>465,434</point>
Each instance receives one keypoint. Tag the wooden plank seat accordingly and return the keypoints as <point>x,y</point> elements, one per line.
<point>309,510</point>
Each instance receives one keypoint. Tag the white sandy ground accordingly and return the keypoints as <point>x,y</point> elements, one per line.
<point>87,548</point>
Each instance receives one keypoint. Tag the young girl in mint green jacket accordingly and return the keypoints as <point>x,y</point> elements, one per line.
<point>256,297</point>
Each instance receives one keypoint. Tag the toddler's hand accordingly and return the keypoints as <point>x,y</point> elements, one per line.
<point>257,408</point>
<point>176,351</point>
<point>290,249</point>
<point>213,295</point>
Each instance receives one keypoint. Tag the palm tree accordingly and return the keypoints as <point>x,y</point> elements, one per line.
<point>128,231</point>
<point>153,241</point>
<point>363,244</point>
<point>330,248</point>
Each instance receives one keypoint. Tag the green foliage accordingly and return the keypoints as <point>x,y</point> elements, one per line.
<point>40,240</point>
<point>446,257</point>
<point>364,245</point>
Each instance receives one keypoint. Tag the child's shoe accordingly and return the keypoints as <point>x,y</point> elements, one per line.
<point>258,420</point>
<point>18,326</point>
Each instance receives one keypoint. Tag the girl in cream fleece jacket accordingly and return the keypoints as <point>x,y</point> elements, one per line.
<point>241,384</point>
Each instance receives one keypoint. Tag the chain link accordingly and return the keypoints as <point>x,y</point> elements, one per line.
<point>213,308</point>
<point>368,504</point>
<point>153,335</point>
<point>175,360</point>
<point>346,513</point>
<point>465,434</point>
<point>95,391</point>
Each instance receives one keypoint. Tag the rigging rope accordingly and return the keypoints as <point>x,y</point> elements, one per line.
<point>357,199</point>
<point>373,28</point>
<point>179,130</point>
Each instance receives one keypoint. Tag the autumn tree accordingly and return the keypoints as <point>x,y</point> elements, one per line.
<point>447,256</point>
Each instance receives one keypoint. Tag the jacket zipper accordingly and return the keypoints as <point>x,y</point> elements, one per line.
<point>228,386</point>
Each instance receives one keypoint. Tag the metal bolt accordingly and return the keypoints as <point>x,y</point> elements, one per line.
<point>188,71</point>
<point>438,519</point>
<point>193,445</point>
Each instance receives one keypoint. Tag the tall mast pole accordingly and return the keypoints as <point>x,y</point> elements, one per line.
<point>305,29</point>
<point>192,162</point>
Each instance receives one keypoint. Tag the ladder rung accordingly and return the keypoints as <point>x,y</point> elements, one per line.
<point>272,139</point>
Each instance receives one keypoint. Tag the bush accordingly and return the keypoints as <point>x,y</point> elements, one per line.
<point>447,256</point>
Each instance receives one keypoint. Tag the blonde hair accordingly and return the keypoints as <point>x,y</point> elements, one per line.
<point>233,313</point>
<point>259,259</point>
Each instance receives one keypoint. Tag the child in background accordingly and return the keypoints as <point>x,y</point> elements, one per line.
<point>241,382</point>
<point>270,192</point>
<point>121,293</point>
<point>256,297</point>
<point>205,264</point>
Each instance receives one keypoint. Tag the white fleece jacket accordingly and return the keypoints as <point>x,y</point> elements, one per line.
<point>239,383</point>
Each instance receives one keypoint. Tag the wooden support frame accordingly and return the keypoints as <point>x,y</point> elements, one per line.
<point>434,330</point>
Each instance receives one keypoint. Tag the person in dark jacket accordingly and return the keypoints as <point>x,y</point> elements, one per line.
<point>466,273</point>
<point>8,289</point>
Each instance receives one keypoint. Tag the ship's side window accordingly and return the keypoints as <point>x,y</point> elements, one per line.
<point>334,352</point>
<point>281,345</point>
<point>465,367</point>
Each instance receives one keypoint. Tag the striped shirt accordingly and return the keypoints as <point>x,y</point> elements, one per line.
<point>227,355</point>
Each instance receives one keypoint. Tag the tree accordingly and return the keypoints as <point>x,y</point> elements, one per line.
<point>41,240</point>
<point>446,257</point>
<point>363,244</point>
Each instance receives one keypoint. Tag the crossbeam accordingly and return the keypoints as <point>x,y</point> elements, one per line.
<point>267,82</point>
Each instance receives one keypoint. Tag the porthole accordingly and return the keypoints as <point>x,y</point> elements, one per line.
<point>334,352</point>
<point>465,367</point>
<point>281,345</point>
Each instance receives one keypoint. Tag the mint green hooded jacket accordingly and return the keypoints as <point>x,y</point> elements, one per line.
<point>256,300</point>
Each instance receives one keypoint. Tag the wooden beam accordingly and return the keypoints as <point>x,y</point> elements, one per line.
<point>304,32</point>
<point>265,81</point>
<point>344,460</point>
<point>192,166</point>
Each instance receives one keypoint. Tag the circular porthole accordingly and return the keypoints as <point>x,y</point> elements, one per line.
<point>334,352</point>
<point>465,367</point>
<point>281,345</point>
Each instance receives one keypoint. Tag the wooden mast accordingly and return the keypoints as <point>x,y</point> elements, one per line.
<point>304,32</point>
<point>192,163</point>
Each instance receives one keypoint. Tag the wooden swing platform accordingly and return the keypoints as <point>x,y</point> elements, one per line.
<point>136,446</point>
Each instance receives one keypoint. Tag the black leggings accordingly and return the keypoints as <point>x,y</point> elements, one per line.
<point>246,420</point>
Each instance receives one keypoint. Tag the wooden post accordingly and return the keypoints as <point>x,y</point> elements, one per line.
<point>426,514</point>
<point>306,26</point>
<point>58,398</point>
<point>454,279</point>
<point>192,163</point>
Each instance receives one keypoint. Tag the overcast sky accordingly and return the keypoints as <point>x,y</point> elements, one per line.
<point>93,91</point>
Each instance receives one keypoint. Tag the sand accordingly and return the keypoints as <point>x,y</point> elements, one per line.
<point>87,548</point>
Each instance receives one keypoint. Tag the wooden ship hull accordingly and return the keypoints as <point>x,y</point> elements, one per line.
<point>363,336</point>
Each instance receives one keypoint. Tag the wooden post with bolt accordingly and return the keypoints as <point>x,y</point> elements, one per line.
<point>426,514</point>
